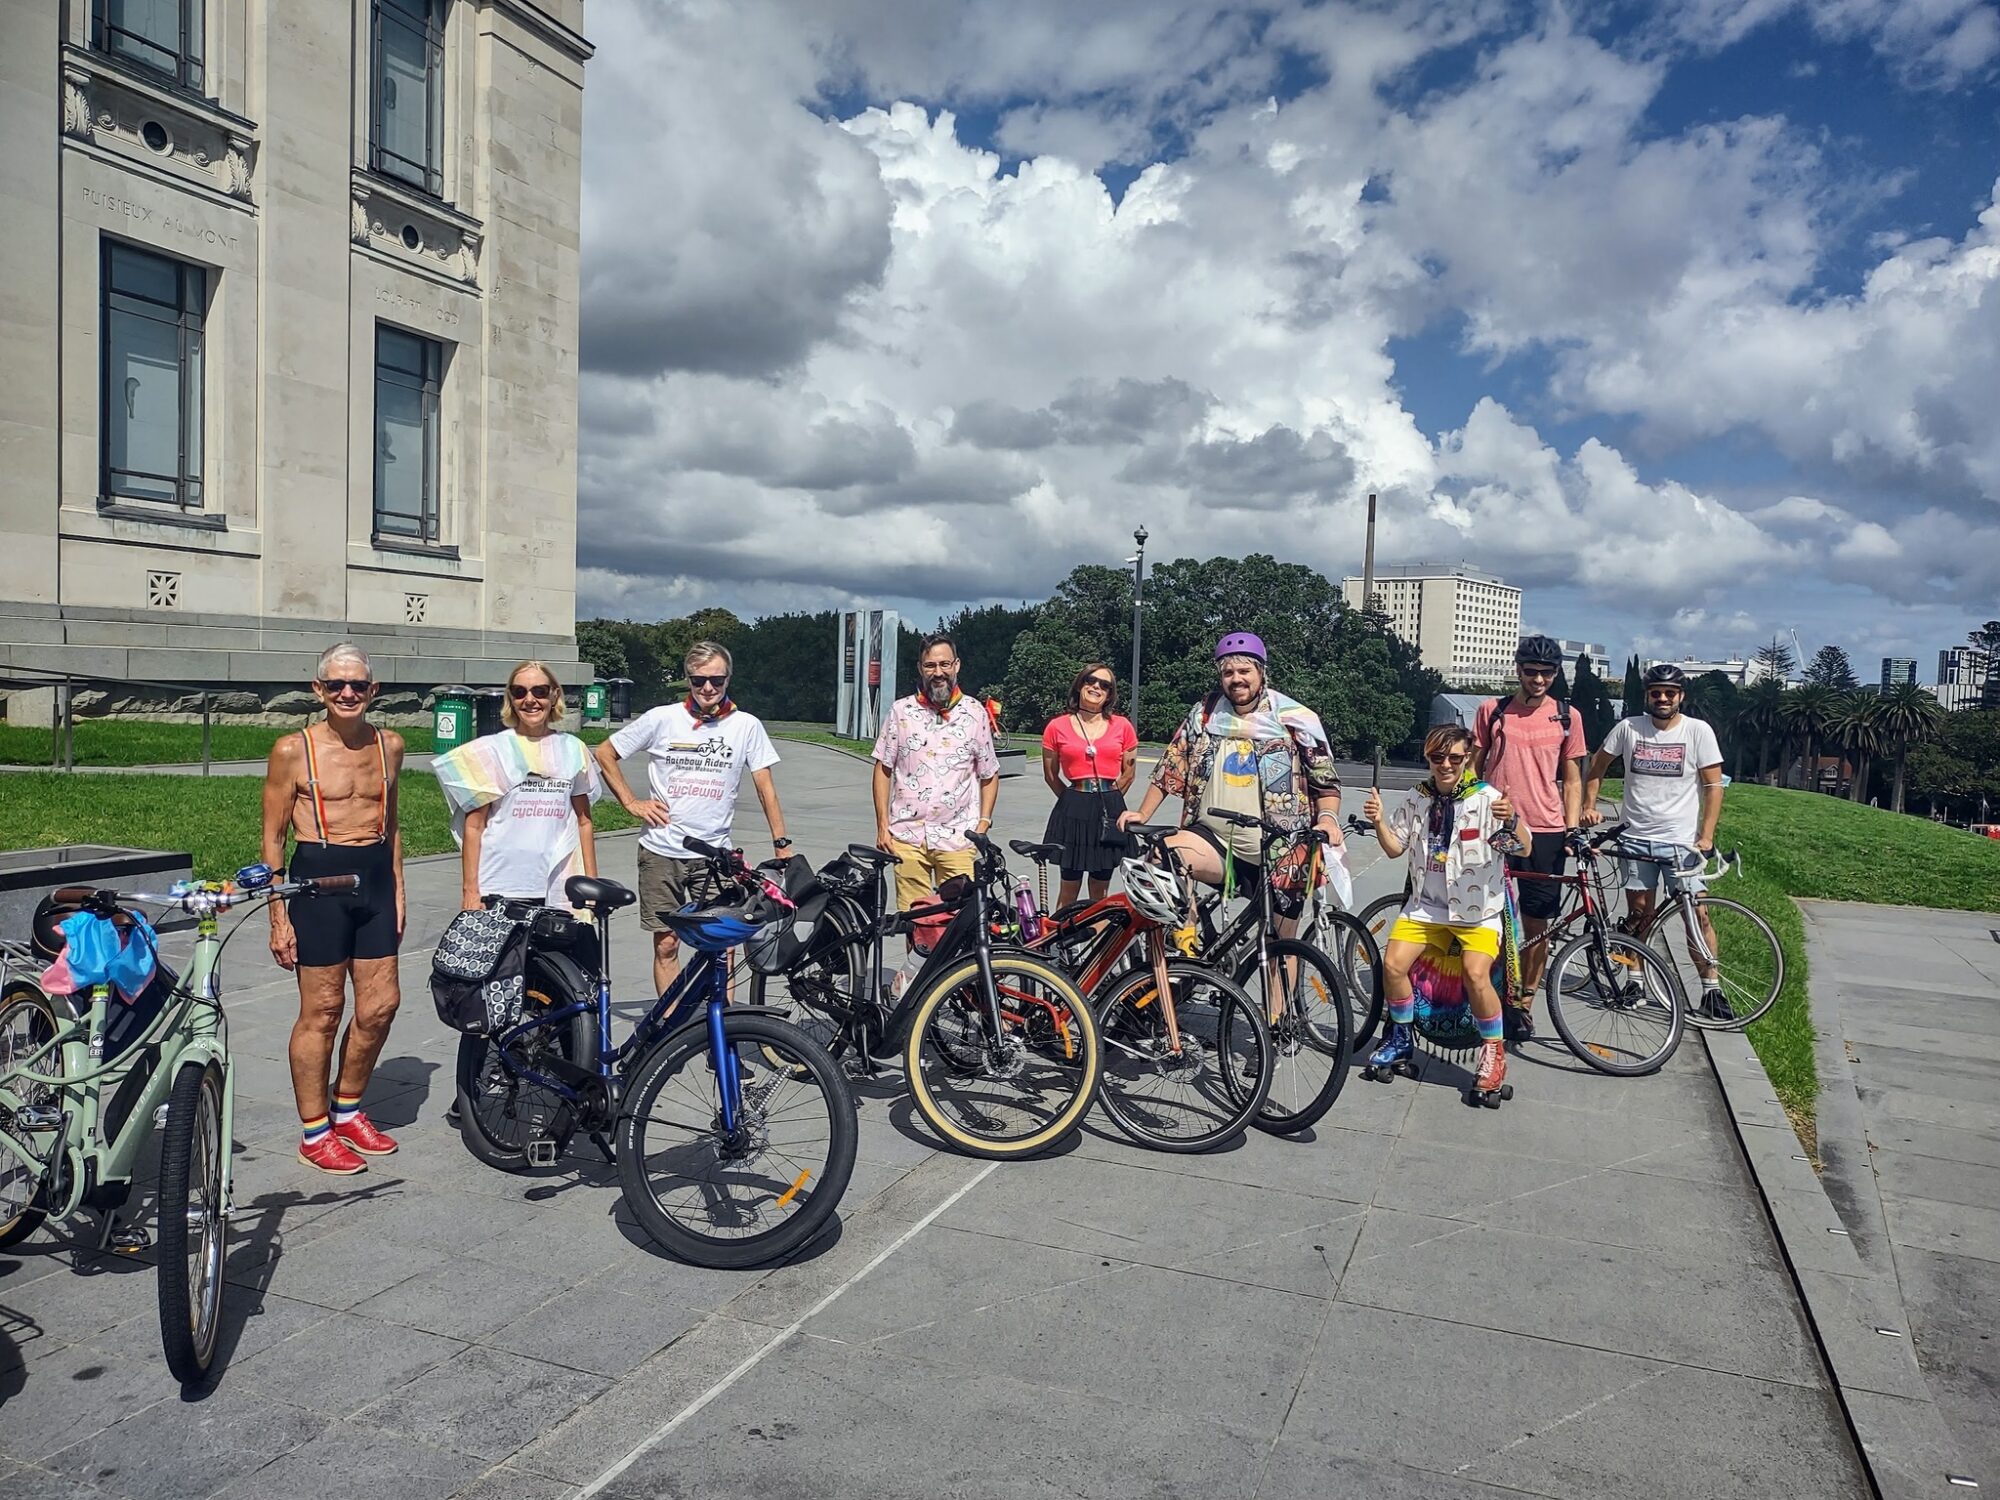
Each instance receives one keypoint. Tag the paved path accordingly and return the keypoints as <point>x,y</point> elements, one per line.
<point>1910,1133</point>
<point>1577,1295</point>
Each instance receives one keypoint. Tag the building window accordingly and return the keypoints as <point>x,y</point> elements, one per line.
<point>408,373</point>
<point>161,36</point>
<point>151,403</point>
<point>406,136</point>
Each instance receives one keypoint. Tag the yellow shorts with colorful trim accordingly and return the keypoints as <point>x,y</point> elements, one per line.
<point>1479,939</point>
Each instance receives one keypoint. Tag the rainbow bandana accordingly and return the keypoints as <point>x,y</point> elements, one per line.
<point>702,715</point>
<point>957,697</point>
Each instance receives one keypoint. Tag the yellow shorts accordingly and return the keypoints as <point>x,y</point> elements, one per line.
<point>922,871</point>
<point>1480,939</point>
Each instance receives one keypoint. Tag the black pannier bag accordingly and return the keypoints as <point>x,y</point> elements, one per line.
<point>479,971</point>
<point>777,945</point>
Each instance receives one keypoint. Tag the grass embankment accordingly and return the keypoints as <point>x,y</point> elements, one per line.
<point>143,742</point>
<point>1803,844</point>
<point>216,819</point>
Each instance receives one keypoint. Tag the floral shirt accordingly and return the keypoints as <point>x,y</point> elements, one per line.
<point>1286,742</point>
<point>936,762</point>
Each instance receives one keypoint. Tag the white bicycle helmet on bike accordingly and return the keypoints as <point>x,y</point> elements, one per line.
<point>1155,891</point>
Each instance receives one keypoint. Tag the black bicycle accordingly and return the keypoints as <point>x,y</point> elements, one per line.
<point>1000,1051</point>
<point>1309,998</point>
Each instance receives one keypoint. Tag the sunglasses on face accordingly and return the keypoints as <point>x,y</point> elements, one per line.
<point>698,680</point>
<point>1446,758</point>
<point>541,692</point>
<point>1663,692</point>
<point>336,686</point>
<point>1097,682</point>
<point>1538,671</point>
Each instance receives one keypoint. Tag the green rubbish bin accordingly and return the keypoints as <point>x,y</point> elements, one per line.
<point>451,718</point>
<point>595,701</point>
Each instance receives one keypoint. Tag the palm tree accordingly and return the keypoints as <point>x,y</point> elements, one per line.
<point>1854,727</point>
<point>1909,715</point>
<point>1758,720</point>
<point>1805,712</point>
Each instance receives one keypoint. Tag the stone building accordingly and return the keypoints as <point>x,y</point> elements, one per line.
<point>1464,623</point>
<point>288,337</point>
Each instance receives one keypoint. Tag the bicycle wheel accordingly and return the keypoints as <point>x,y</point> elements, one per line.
<point>1205,1094</point>
<point>1363,964</point>
<point>29,1021</point>
<point>745,1196</point>
<point>1749,969</point>
<point>501,1109</point>
<point>194,1229</point>
<point>1312,1033</point>
<point>1015,1093</point>
<point>824,985</point>
<point>1616,1004</point>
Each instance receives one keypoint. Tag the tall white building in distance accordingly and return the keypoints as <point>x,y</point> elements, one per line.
<point>1464,623</point>
<point>1600,657</point>
<point>1898,670</point>
<point>1962,676</point>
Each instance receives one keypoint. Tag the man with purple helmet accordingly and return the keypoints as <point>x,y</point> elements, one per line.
<point>1245,748</point>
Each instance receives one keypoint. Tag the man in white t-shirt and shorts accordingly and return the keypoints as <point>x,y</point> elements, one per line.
<point>1673,799</point>
<point>698,751</point>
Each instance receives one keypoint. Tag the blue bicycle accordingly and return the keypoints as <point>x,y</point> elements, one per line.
<point>724,1164</point>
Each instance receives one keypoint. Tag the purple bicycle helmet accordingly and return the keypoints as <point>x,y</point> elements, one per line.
<point>1240,643</point>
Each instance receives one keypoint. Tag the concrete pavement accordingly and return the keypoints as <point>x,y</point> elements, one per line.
<point>1577,1295</point>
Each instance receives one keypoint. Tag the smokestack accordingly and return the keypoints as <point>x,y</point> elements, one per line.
<point>1368,562</point>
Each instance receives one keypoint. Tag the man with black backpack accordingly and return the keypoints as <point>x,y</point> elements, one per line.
<point>1531,747</point>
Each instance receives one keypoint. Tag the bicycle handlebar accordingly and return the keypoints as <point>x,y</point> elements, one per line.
<point>195,897</point>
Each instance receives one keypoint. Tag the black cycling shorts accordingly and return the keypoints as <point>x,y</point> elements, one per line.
<point>355,924</point>
<point>1546,854</point>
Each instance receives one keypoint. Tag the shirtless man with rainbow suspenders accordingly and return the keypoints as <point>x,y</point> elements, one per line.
<point>332,787</point>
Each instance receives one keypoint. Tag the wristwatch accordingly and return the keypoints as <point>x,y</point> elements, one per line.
<point>781,843</point>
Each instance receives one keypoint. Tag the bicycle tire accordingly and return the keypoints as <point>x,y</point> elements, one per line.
<point>21,1191</point>
<point>499,1113</point>
<point>830,968</point>
<point>1375,919</point>
<point>1313,1037</point>
<point>1624,1012</point>
<point>779,1174</point>
<point>1750,961</point>
<point>946,1042</point>
<point>193,1237</point>
<point>1132,1033</point>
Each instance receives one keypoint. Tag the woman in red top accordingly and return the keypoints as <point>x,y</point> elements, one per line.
<point>1088,756</point>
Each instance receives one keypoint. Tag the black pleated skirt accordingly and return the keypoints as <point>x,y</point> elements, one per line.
<point>1086,825</point>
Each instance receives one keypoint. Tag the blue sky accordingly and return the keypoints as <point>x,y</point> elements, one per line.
<point>1685,318</point>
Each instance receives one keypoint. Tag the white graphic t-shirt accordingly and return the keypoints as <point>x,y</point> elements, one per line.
<point>696,769</point>
<point>1663,776</point>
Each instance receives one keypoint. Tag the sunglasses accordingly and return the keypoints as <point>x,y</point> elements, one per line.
<point>1663,692</point>
<point>1445,758</point>
<point>698,680</point>
<point>540,691</point>
<point>1537,671</point>
<point>336,686</point>
<point>1099,683</point>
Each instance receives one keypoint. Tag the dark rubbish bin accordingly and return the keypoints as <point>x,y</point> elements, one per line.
<point>621,697</point>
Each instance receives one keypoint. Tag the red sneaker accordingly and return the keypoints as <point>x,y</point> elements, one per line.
<point>361,1135</point>
<point>330,1154</point>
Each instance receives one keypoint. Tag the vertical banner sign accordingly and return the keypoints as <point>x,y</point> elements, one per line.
<point>866,681</point>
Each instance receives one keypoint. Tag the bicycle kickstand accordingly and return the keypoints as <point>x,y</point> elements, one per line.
<point>597,1139</point>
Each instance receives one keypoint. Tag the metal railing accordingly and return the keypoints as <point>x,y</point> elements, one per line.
<point>62,756</point>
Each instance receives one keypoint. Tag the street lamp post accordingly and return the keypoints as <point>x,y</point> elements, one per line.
<point>1138,593</point>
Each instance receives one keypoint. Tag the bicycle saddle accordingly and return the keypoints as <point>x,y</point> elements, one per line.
<point>869,854</point>
<point>1150,830</point>
<point>1041,853</point>
<point>594,895</point>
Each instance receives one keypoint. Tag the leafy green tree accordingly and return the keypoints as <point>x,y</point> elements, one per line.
<point>1909,717</point>
<point>1592,702</point>
<point>1986,638</point>
<point>1855,726</point>
<point>1777,659</point>
<point>1961,768</point>
<point>1807,710</point>
<point>600,643</point>
<point>1760,721</point>
<point>1634,691</point>
<point>1830,668</point>
<point>785,666</point>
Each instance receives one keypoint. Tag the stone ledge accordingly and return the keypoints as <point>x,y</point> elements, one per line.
<point>1902,1437</point>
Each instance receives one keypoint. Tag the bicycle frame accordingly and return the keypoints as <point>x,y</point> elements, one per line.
<point>96,1143</point>
<point>1124,926</point>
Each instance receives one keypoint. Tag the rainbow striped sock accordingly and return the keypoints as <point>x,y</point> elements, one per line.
<point>315,1130</point>
<point>1402,1012</point>
<point>1489,1030</point>
<point>345,1107</point>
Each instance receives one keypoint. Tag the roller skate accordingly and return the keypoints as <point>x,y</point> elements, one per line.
<point>1395,1055</point>
<point>1489,1079</point>
<point>1517,1022</point>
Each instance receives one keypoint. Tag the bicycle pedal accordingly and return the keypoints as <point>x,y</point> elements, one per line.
<point>128,1241</point>
<point>542,1153</point>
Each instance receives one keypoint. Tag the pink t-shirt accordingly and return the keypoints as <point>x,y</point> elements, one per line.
<point>1524,753</point>
<point>1073,750</point>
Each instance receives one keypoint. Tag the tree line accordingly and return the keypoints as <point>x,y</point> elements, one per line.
<point>1369,687</point>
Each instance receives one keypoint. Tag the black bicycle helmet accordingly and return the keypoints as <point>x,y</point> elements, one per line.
<point>1666,672</point>
<point>1539,649</point>
<point>47,934</point>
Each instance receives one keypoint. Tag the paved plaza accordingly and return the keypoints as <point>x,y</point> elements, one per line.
<point>1578,1295</point>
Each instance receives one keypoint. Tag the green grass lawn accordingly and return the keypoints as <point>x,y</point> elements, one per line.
<point>216,819</point>
<point>1804,844</point>
<point>823,737</point>
<point>142,742</point>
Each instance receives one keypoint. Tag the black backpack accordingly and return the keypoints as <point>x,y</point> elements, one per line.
<point>1494,721</point>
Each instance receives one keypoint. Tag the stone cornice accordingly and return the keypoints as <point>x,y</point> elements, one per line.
<point>547,27</point>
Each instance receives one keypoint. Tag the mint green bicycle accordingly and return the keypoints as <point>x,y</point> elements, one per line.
<point>83,1083</point>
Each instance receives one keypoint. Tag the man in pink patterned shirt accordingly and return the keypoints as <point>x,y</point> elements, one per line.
<point>936,777</point>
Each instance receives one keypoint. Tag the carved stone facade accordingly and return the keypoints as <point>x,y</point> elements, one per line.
<point>257,166</point>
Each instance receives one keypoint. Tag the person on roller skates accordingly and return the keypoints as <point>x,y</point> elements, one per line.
<point>1458,893</point>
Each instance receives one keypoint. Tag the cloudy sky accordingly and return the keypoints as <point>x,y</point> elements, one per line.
<point>1684,318</point>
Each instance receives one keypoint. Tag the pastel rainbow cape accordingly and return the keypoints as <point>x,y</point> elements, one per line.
<point>484,770</point>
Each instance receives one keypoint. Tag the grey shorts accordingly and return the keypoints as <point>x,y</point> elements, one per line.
<point>1646,874</point>
<point>668,884</point>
